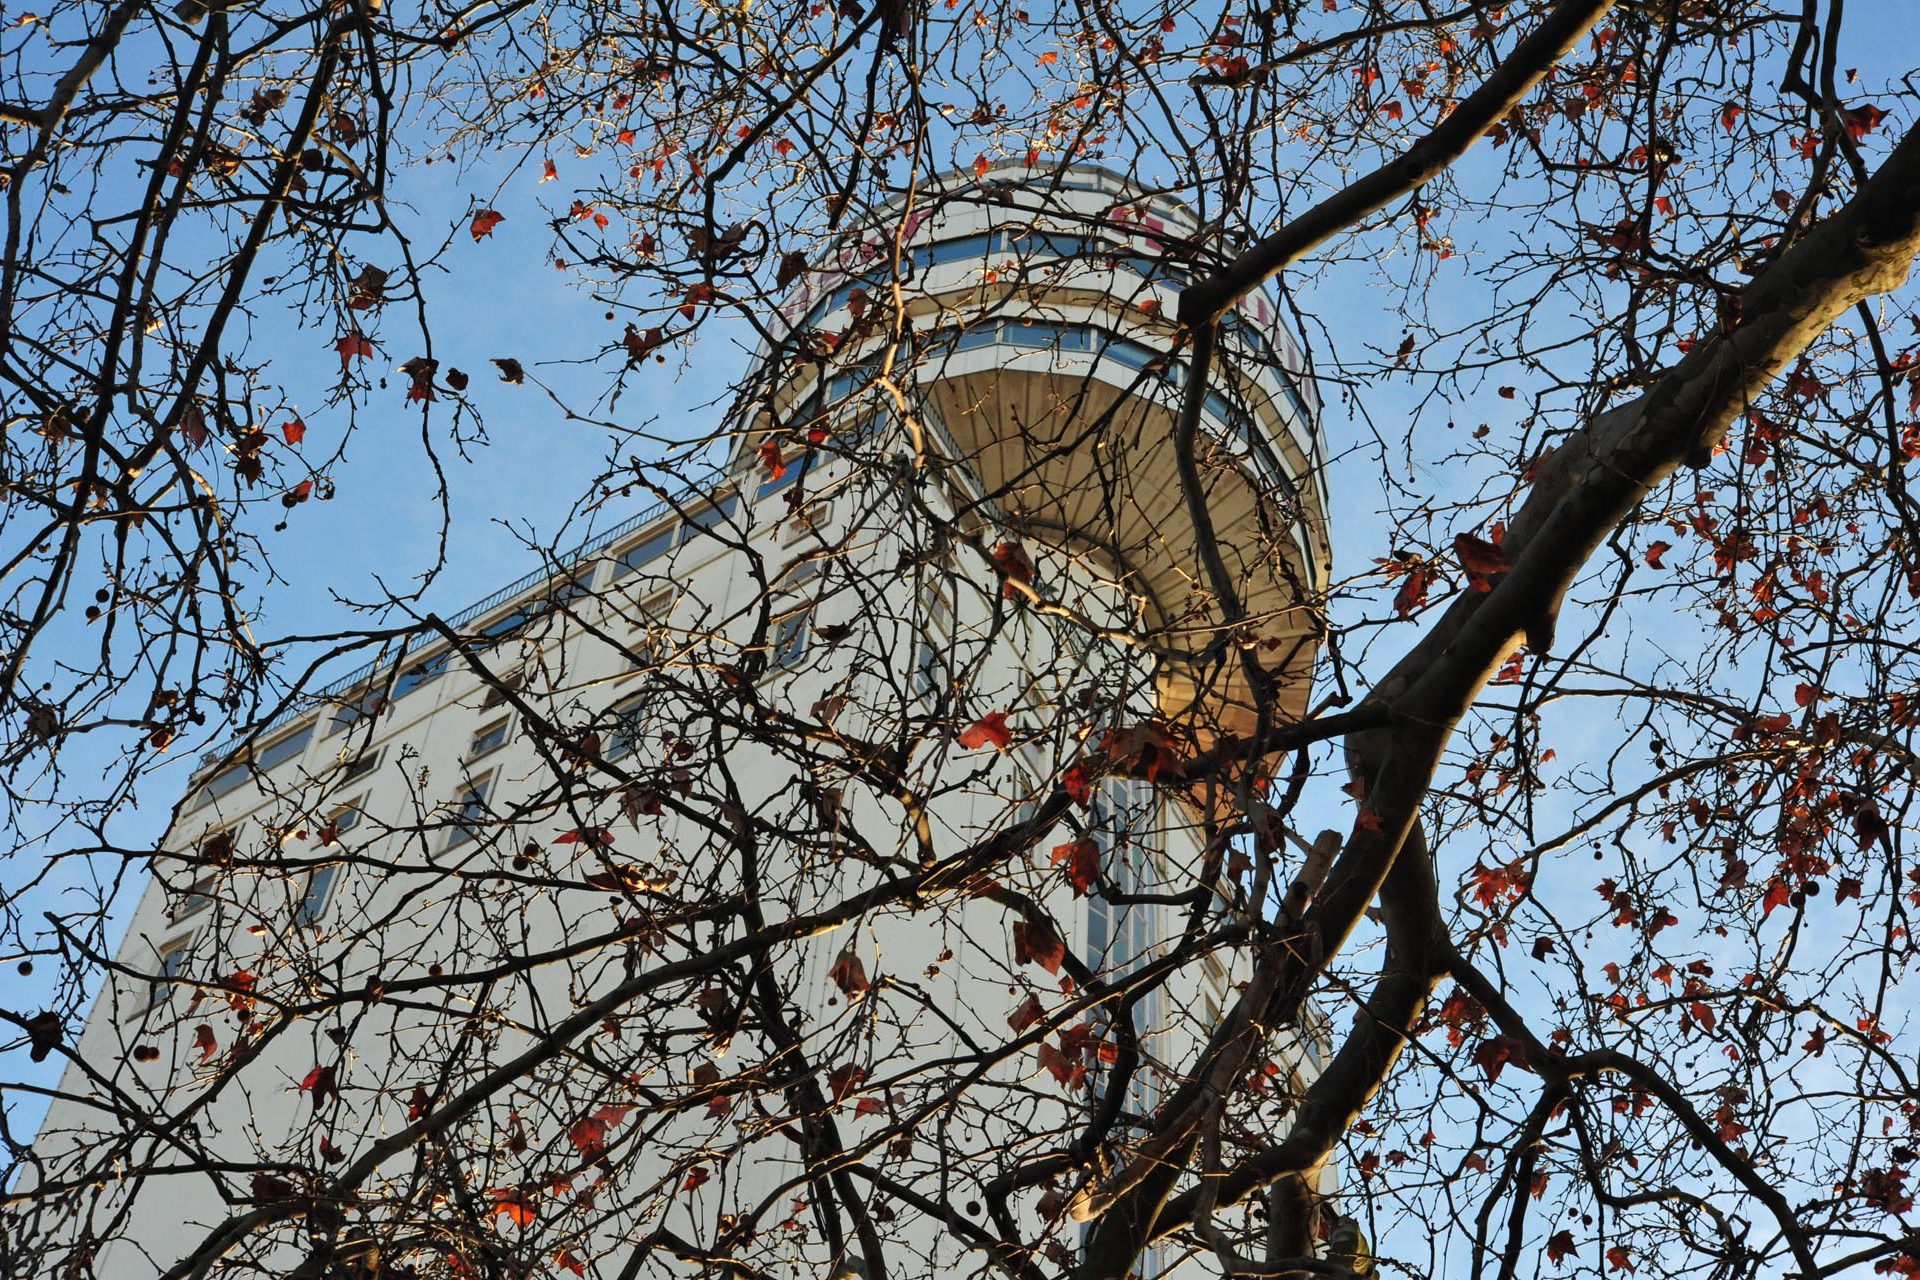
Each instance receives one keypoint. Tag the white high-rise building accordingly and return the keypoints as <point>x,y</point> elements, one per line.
<point>466,964</point>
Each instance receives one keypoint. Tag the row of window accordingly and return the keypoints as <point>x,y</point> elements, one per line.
<point>355,708</point>
<point>1044,335</point>
<point>217,845</point>
<point>1026,246</point>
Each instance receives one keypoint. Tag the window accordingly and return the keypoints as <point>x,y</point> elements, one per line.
<point>320,884</point>
<point>718,513</point>
<point>788,643</point>
<point>418,674</point>
<point>1119,936</point>
<point>469,811</point>
<point>214,851</point>
<point>653,610</point>
<point>1122,936</point>
<point>792,471</point>
<point>809,519</point>
<point>505,625</point>
<point>197,898</point>
<point>1029,334</point>
<point>838,298</point>
<point>649,619</point>
<point>640,552</point>
<point>955,250</point>
<point>226,780</point>
<point>275,753</point>
<point>626,719</point>
<point>980,335</point>
<point>489,738</point>
<point>172,963</point>
<point>564,591</point>
<point>360,766</point>
<point>285,749</point>
<point>354,709</point>
<point>842,385</point>
<point>929,672</point>
<point>790,638</point>
<point>1032,243</point>
<point>509,683</point>
<point>341,821</point>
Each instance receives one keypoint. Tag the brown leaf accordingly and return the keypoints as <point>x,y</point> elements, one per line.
<point>989,728</point>
<point>43,1033</point>
<point>1037,942</point>
<point>353,346</point>
<point>848,973</point>
<point>1082,859</point>
<point>844,1080</point>
<point>516,1204</point>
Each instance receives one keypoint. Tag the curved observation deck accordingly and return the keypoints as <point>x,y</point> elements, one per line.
<point>1040,355</point>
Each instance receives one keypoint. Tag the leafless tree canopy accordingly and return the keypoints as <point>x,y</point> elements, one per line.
<point>1561,824</point>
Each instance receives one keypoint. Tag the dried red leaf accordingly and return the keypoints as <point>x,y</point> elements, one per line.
<point>1862,120</point>
<point>353,346</point>
<point>696,294</point>
<point>420,372</point>
<point>1413,590</point>
<point>848,973</point>
<point>1064,1067</point>
<point>515,1203</point>
<point>989,728</point>
<point>1082,861</point>
<point>1037,942</point>
<point>1143,749</point>
<point>484,222</point>
<point>1015,567</point>
<point>771,459</point>
<point>843,1080</point>
<point>1482,560</point>
<point>1560,1245</point>
<point>1495,1053</point>
<point>1028,1013</point>
<point>321,1083</point>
